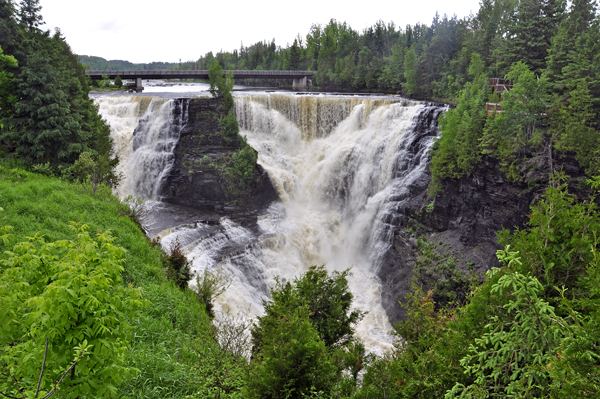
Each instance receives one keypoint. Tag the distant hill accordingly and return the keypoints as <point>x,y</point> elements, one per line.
<point>100,64</point>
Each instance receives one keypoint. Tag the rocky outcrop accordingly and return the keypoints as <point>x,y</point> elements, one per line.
<point>464,218</point>
<point>198,178</point>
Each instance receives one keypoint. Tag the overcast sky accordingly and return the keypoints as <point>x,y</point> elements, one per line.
<point>146,31</point>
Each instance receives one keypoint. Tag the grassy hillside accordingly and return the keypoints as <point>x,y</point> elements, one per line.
<point>162,330</point>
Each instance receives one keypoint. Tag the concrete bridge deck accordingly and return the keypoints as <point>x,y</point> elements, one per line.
<point>199,74</point>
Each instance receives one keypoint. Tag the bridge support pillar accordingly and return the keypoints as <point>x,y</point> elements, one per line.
<point>138,85</point>
<point>301,83</point>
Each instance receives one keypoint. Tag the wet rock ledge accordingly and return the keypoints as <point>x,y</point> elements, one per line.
<point>198,178</point>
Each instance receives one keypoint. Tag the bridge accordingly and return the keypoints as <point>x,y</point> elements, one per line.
<point>300,78</point>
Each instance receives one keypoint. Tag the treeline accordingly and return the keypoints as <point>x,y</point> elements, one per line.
<point>553,104</point>
<point>46,116</point>
<point>429,61</point>
<point>100,64</point>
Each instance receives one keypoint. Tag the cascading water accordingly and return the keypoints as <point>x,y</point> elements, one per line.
<point>341,166</point>
<point>145,131</point>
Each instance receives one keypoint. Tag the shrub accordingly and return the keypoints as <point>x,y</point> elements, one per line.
<point>64,310</point>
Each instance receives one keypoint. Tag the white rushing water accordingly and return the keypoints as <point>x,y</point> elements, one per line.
<point>144,131</point>
<point>337,165</point>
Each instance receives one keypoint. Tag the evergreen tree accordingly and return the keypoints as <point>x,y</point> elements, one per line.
<point>44,128</point>
<point>30,14</point>
<point>457,151</point>
<point>8,94</point>
<point>572,128</point>
<point>575,49</point>
<point>519,128</point>
<point>294,362</point>
<point>411,87</point>
<point>488,26</point>
<point>532,28</point>
<point>294,56</point>
<point>10,34</point>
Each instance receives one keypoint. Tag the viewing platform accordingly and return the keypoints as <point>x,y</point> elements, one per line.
<point>500,85</point>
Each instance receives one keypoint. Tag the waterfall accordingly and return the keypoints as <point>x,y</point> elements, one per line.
<point>342,166</point>
<point>145,130</point>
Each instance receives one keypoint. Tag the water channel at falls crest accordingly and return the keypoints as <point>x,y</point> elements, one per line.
<point>342,167</point>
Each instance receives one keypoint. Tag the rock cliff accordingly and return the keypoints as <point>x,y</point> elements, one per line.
<point>199,179</point>
<point>463,220</point>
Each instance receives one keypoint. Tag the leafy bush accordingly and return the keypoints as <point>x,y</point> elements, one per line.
<point>209,285</point>
<point>230,129</point>
<point>94,170</point>
<point>178,268</point>
<point>64,310</point>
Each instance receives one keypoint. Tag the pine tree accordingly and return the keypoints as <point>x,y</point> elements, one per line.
<point>44,128</point>
<point>294,56</point>
<point>10,34</point>
<point>529,37</point>
<point>30,14</point>
<point>575,50</point>
<point>410,72</point>
<point>8,93</point>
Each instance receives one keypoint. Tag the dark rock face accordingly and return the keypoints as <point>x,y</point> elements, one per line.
<point>465,217</point>
<point>198,179</point>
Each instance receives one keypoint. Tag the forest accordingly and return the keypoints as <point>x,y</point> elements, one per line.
<point>91,308</point>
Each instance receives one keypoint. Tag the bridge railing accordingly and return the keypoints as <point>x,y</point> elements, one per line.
<point>197,73</point>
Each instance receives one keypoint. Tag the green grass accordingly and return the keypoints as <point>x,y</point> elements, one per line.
<point>161,332</point>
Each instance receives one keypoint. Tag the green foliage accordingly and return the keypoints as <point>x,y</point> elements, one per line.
<point>510,358</point>
<point>304,340</point>
<point>518,128</point>
<point>47,115</point>
<point>209,285</point>
<point>425,362</point>
<point>230,129</point>
<point>43,128</point>
<point>178,268</point>
<point>555,247</point>
<point>8,95</point>
<point>44,169</point>
<point>118,82</point>
<point>65,293</point>
<point>94,170</point>
<point>578,352</point>
<point>241,172</point>
<point>574,51</point>
<point>160,332</point>
<point>457,150</point>
<point>410,73</point>
<point>220,83</point>
<point>327,298</point>
<point>292,361</point>
<point>222,358</point>
<point>529,35</point>
<point>294,61</point>
<point>572,128</point>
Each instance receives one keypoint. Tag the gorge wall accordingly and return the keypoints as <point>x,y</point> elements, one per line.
<point>340,181</point>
